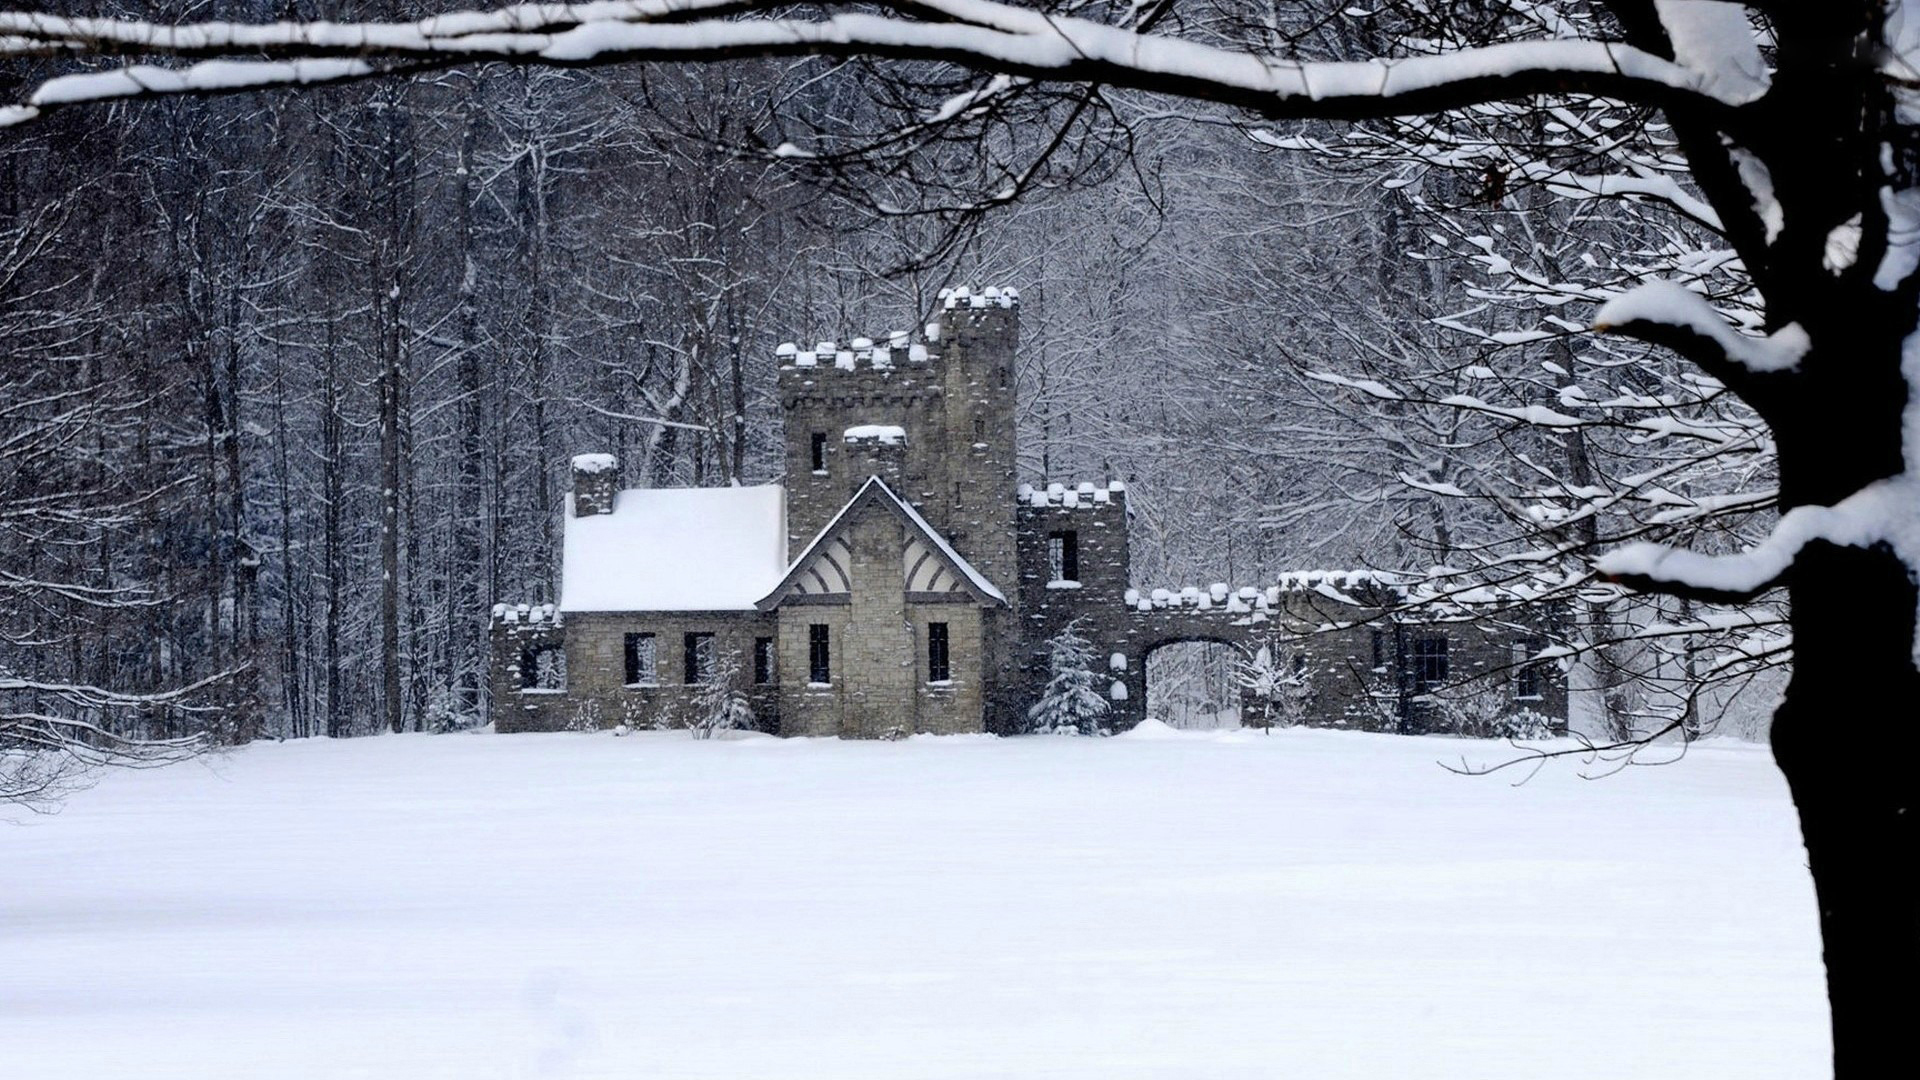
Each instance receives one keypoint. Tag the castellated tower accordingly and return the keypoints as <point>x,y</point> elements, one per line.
<point>934,418</point>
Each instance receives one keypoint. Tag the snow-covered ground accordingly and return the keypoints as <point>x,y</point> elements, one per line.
<point>1207,905</point>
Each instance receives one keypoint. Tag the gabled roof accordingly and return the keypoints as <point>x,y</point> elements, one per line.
<point>676,549</point>
<point>877,491</point>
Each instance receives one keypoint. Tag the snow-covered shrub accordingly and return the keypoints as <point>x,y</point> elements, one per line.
<point>721,703</point>
<point>1072,703</point>
<point>1277,695</point>
<point>585,717</point>
<point>1524,724</point>
<point>443,711</point>
<point>1486,710</point>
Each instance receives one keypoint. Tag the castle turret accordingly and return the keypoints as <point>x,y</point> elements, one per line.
<point>950,397</point>
<point>978,334</point>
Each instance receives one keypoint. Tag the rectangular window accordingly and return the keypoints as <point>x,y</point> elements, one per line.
<point>642,659</point>
<point>979,429</point>
<point>1379,649</point>
<point>819,451</point>
<point>937,667</point>
<point>819,654</point>
<point>1063,555</point>
<point>698,659</point>
<point>762,660</point>
<point>1526,672</point>
<point>543,669</point>
<point>1429,662</point>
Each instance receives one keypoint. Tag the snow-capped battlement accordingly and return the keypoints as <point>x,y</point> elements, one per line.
<point>525,614</point>
<point>876,434</point>
<point>892,350</point>
<point>1356,587</point>
<point>1316,580</point>
<point>965,297</point>
<point>595,463</point>
<point>1070,496</point>
<point>1215,597</point>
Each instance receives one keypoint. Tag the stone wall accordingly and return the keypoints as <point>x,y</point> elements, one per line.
<point>878,650</point>
<point>597,695</point>
<point>1359,676</point>
<point>825,400</point>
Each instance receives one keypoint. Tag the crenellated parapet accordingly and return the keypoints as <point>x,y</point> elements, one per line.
<point>527,657</point>
<point>1083,495</point>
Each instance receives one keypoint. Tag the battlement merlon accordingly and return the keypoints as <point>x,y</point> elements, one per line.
<point>1080,496</point>
<point>964,314</point>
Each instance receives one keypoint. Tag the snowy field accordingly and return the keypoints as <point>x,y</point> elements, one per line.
<point>1205,905</point>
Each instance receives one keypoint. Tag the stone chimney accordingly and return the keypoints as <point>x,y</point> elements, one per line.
<point>595,479</point>
<point>875,450</point>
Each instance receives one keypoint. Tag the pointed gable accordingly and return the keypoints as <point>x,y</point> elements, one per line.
<point>823,572</point>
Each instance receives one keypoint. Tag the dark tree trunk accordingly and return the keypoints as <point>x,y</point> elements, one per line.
<point>1845,736</point>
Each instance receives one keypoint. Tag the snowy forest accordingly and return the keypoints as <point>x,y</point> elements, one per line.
<point>1606,306</point>
<point>291,378</point>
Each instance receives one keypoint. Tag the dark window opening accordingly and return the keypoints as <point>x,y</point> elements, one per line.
<point>543,669</point>
<point>762,660</point>
<point>819,654</point>
<point>1379,649</point>
<point>979,429</point>
<point>1429,662</point>
<point>643,656</point>
<point>1063,555</point>
<point>819,451</point>
<point>1526,672</point>
<point>938,670</point>
<point>697,659</point>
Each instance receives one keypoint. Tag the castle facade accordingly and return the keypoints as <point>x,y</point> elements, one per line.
<point>901,580</point>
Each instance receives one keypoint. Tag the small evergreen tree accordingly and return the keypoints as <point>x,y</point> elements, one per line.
<point>1071,703</point>
<point>721,703</point>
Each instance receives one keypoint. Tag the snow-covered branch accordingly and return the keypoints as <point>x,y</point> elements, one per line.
<point>1668,314</point>
<point>1003,38</point>
<point>1885,513</point>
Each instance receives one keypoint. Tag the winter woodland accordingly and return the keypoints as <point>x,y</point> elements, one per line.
<point>1608,304</point>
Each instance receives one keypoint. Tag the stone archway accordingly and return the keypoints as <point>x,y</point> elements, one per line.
<point>1139,635</point>
<point>1194,681</point>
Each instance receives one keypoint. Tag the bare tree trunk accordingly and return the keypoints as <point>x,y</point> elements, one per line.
<point>333,495</point>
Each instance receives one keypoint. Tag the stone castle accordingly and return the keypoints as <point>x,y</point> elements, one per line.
<point>903,581</point>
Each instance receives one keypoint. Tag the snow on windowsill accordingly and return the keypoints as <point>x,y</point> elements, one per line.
<point>819,686</point>
<point>543,690</point>
<point>1063,584</point>
<point>820,472</point>
<point>640,686</point>
<point>940,684</point>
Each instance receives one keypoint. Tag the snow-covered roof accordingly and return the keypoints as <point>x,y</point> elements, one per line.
<point>676,549</point>
<point>878,489</point>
